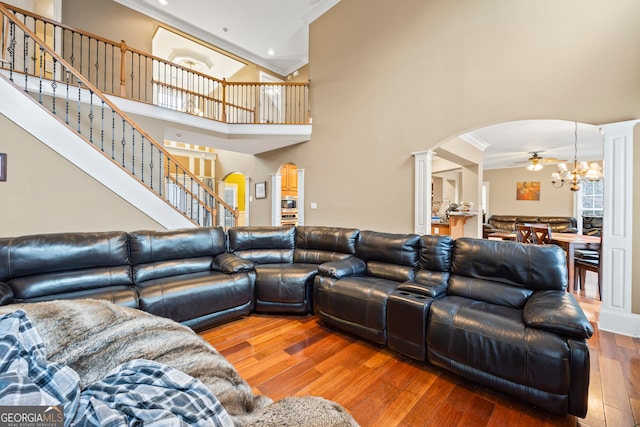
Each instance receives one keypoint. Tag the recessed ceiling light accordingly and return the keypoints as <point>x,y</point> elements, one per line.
<point>163,2</point>
<point>271,52</point>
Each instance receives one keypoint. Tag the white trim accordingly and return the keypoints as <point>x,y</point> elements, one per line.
<point>300,196</point>
<point>276,197</point>
<point>423,170</point>
<point>617,239</point>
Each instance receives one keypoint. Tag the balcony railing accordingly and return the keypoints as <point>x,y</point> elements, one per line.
<point>118,69</point>
<point>34,66</point>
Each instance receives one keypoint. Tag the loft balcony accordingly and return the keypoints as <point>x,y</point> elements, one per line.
<point>245,117</point>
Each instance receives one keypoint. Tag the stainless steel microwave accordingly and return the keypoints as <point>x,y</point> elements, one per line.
<point>289,203</point>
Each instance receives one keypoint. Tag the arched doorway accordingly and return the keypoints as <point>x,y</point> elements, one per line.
<point>288,195</point>
<point>233,190</point>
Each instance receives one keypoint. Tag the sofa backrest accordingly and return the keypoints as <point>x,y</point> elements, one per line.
<point>560,224</point>
<point>157,254</point>
<point>503,222</point>
<point>389,256</point>
<point>505,273</point>
<point>435,260</point>
<point>316,245</point>
<point>48,264</point>
<point>263,244</point>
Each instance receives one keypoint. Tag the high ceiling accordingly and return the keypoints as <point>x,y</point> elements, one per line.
<point>252,28</point>
<point>273,34</point>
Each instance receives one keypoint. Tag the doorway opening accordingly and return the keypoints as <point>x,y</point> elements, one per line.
<point>233,190</point>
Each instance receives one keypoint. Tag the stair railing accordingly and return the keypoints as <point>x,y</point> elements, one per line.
<point>118,69</point>
<point>35,67</point>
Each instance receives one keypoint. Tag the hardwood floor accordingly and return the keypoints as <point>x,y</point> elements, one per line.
<point>282,356</point>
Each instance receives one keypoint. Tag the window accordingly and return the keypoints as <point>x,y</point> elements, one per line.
<point>592,198</point>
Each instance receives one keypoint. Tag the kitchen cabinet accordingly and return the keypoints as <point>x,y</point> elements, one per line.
<point>289,174</point>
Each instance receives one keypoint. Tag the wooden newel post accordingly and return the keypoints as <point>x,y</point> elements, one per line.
<point>123,71</point>
<point>224,101</point>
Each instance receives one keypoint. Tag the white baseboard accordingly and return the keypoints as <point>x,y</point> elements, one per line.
<point>620,323</point>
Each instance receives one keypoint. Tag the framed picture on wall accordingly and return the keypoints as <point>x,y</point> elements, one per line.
<point>3,166</point>
<point>261,190</point>
<point>528,190</point>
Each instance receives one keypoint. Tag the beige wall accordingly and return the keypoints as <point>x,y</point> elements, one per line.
<point>110,20</point>
<point>502,194</point>
<point>45,193</point>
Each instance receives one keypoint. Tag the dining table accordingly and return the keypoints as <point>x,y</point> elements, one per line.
<point>567,241</point>
<point>570,242</point>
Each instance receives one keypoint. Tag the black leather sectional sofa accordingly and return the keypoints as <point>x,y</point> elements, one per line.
<point>494,312</point>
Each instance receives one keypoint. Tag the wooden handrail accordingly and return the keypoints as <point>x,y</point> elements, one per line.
<point>105,100</point>
<point>189,92</point>
<point>128,50</point>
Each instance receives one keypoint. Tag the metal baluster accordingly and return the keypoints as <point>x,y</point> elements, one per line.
<point>151,147</point>
<point>113,134</point>
<point>54,85</point>
<point>40,71</point>
<point>91,116</point>
<point>123,142</point>
<point>142,159</point>
<point>133,151</point>
<point>102,127</point>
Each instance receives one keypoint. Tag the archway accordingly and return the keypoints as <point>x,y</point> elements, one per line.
<point>234,191</point>
<point>288,195</point>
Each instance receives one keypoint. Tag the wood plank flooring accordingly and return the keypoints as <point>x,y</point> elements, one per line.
<point>286,355</point>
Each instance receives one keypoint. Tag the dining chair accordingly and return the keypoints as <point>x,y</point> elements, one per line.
<point>541,234</point>
<point>524,233</point>
<point>587,260</point>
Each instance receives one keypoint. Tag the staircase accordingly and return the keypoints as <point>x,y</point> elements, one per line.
<point>45,73</point>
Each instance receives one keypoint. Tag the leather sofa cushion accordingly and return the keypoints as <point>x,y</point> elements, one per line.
<point>492,339</point>
<point>148,246</point>
<point>559,312</point>
<point>6,294</point>
<point>263,245</point>
<point>358,300</point>
<point>536,267</point>
<point>383,270</point>
<point>121,295</point>
<point>400,249</point>
<point>61,252</point>
<point>435,252</point>
<point>489,291</point>
<point>317,245</point>
<point>170,268</point>
<point>284,283</point>
<point>190,296</point>
<point>54,285</point>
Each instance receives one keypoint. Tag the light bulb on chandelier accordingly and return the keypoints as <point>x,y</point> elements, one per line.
<point>581,170</point>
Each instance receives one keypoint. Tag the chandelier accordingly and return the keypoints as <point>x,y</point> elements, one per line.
<point>581,170</point>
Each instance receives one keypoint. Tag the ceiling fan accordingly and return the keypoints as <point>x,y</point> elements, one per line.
<point>536,161</point>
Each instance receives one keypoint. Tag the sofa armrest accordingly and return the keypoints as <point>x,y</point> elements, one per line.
<point>429,290</point>
<point>557,311</point>
<point>347,267</point>
<point>6,294</point>
<point>230,263</point>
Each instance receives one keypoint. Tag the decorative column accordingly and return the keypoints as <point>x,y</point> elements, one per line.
<point>276,197</point>
<point>422,197</point>
<point>616,259</point>
<point>300,196</point>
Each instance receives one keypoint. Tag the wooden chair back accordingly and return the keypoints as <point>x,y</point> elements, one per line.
<point>541,234</point>
<point>524,233</point>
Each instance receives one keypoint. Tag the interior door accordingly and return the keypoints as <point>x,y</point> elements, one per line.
<point>271,100</point>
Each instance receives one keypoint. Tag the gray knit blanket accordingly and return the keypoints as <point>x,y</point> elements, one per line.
<point>94,337</point>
